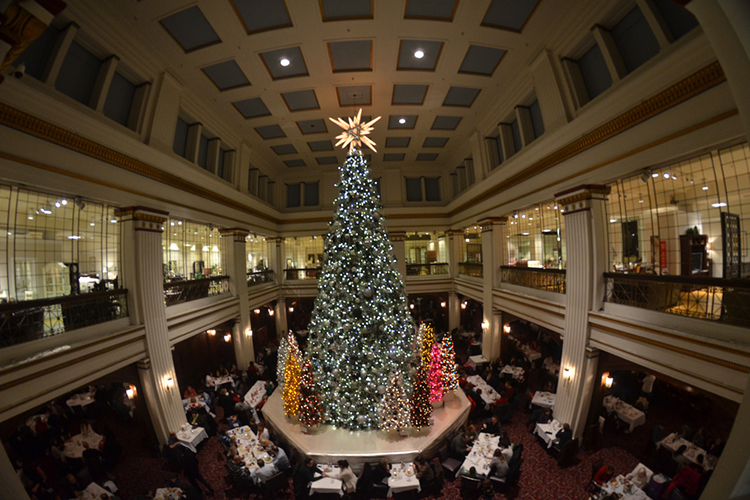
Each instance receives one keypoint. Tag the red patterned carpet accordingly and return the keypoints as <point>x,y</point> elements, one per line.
<point>541,479</point>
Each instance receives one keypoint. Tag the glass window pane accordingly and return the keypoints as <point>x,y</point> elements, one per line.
<point>635,39</point>
<point>413,189</point>
<point>78,74</point>
<point>179,146</point>
<point>432,188</point>
<point>594,70</point>
<point>311,194</point>
<point>293,194</point>
<point>119,99</point>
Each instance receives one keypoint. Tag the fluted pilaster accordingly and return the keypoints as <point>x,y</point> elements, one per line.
<point>233,243</point>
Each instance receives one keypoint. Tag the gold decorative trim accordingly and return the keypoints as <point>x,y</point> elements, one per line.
<point>679,350</point>
<point>683,90</point>
<point>701,343</point>
<point>24,122</point>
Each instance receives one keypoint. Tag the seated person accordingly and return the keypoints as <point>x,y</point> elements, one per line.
<point>564,435</point>
<point>472,473</point>
<point>459,447</point>
<point>280,460</point>
<point>499,464</point>
<point>545,417</point>
<point>263,431</point>
<point>265,471</point>
<point>189,393</point>
<point>716,448</point>
<point>424,472</point>
<point>381,472</point>
<point>237,470</point>
<point>492,426</point>
<point>604,474</point>
<point>346,476</point>
<point>509,391</point>
<point>303,476</point>
<point>639,477</point>
<point>679,457</point>
<point>234,422</point>
<point>506,449</point>
<point>471,434</point>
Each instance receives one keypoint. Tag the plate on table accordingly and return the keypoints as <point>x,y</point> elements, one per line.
<point>410,472</point>
<point>268,460</point>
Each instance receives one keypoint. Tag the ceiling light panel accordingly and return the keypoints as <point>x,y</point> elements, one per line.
<point>252,108</point>
<point>226,75</point>
<point>296,67</point>
<point>433,10</point>
<point>393,157</point>
<point>461,96</point>
<point>409,94</point>
<point>410,121</point>
<point>320,145</point>
<point>434,142</point>
<point>295,163</point>
<point>510,15</point>
<point>397,142</point>
<point>355,95</point>
<point>284,149</point>
<point>301,100</point>
<point>480,60</point>
<point>191,29</point>
<point>446,122</point>
<point>344,10</point>
<point>312,126</point>
<point>262,15</point>
<point>327,160</point>
<point>407,61</point>
<point>270,131</point>
<point>351,55</point>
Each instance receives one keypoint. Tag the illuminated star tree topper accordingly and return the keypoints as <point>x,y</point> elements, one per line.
<point>355,132</point>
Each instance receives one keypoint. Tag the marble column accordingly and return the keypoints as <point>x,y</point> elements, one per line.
<point>454,311</point>
<point>398,242</point>
<point>586,236</point>
<point>455,243</point>
<point>493,241</point>
<point>143,276</point>
<point>276,258</point>
<point>233,242</point>
<point>10,484</point>
<point>280,315</point>
<point>726,24</point>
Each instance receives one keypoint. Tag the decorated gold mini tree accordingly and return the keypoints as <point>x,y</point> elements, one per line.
<point>291,385</point>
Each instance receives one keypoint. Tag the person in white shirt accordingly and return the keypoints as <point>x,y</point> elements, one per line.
<point>260,476</point>
<point>346,475</point>
<point>648,385</point>
<point>639,477</point>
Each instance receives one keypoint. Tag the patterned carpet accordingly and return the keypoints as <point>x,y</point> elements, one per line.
<point>541,479</point>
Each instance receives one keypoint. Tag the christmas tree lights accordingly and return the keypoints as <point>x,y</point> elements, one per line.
<point>361,328</point>
<point>393,414</point>
<point>310,411</point>
<point>419,403</point>
<point>281,363</point>
<point>448,358</point>
<point>291,385</point>
<point>436,375</point>
<point>427,340</point>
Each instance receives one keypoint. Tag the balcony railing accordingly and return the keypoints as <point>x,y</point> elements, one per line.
<point>471,269</point>
<point>259,277</point>
<point>715,299</point>
<point>35,319</point>
<point>426,269</point>
<point>301,274</point>
<point>177,292</point>
<point>551,280</point>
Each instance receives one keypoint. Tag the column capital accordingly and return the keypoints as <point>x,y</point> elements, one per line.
<point>454,232</point>
<point>239,234</point>
<point>579,198</point>
<point>488,222</point>
<point>145,219</point>
<point>275,239</point>
<point>397,235</point>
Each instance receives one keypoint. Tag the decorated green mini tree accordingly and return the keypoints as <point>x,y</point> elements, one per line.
<point>419,403</point>
<point>361,329</point>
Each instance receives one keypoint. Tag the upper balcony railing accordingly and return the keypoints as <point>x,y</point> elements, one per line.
<point>310,273</point>
<point>715,299</point>
<point>551,280</point>
<point>426,269</point>
<point>35,319</point>
<point>471,269</point>
<point>177,292</point>
<point>260,277</point>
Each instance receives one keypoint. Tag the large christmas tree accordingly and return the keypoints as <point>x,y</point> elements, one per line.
<point>361,329</point>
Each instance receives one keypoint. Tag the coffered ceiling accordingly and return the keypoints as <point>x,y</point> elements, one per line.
<point>275,70</point>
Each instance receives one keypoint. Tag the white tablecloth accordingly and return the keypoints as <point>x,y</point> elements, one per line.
<point>548,432</point>
<point>530,353</point>
<point>217,381</point>
<point>93,492</point>
<point>477,360</point>
<point>81,400</point>
<point>190,438</point>
<point>199,403</point>
<point>544,399</point>
<point>625,489</point>
<point>328,484</point>
<point>168,494</point>
<point>74,446</point>
<point>628,414</point>
<point>673,443</point>
<point>403,479</point>
<point>489,395</point>
<point>249,447</point>
<point>31,421</point>
<point>481,454</point>
<point>515,371</point>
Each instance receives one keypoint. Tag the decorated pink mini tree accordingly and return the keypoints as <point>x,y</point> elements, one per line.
<point>436,374</point>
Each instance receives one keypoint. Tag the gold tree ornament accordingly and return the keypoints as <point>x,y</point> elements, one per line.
<point>355,132</point>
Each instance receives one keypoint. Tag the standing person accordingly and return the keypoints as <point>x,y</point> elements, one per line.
<point>346,475</point>
<point>192,471</point>
<point>648,386</point>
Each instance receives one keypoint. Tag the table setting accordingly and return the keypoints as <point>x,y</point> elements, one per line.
<point>624,488</point>
<point>74,446</point>
<point>481,454</point>
<point>403,478</point>
<point>81,400</point>
<point>190,436</point>
<point>628,414</point>
<point>514,371</point>
<point>530,353</point>
<point>249,448</point>
<point>544,399</point>
<point>328,484</point>
<point>674,441</point>
<point>169,494</point>
<point>548,432</point>
<point>489,395</point>
<point>93,492</point>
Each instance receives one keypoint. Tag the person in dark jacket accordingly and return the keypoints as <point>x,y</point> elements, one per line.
<point>565,434</point>
<point>381,472</point>
<point>192,471</point>
<point>303,476</point>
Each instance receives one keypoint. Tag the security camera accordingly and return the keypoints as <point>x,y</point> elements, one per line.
<point>20,71</point>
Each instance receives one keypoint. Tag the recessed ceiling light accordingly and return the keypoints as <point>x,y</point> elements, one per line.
<point>419,54</point>
<point>705,188</point>
<point>654,175</point>
<point>92,224</point>
<point>284,62</point>
<point>64,201</point>
<point>666,175</point>
<point>613,220</point>
<point>402,120</point>
<point>719,205</point>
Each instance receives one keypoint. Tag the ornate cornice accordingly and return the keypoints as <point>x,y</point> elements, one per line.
<point>488,222</point>
<point>239,234</point>
<point>144,219</point>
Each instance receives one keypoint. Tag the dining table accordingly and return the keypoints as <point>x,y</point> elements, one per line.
<point>255,395</point>
<point>530,354</point>
<point>200,402</point>
<point>93,492</point>
<point>481,454</point>
<point>218,381</point>
<point>674,441</point>
<point>403,478</point>
<point>488,395</point>
<point>81,400</point>
<point>169,494</point>
<point>628,414</point>
<point>190,437</point>
<point>544,399</point>
<point>327,485</point>
<point>548,432</point>
<point>623,488</point>
<point>74,446</point>
<point>249,448</point>
<point>514,371</point>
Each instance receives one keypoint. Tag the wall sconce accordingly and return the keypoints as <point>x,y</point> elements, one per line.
<point>211,332</point>
<point>270,312</point>
<point>506,327</point>
<point>567,373</point>
<point>130,391</point>
<point>291,309</point>
<point>463,305</point>
<point>228,337</point>
<point>257,311</point>
<point>608,382</point>
<point>169,383</point>
<point>249,332</point>
<point>442,304</point>
<point>485,325</point>
<point>411,306</point>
